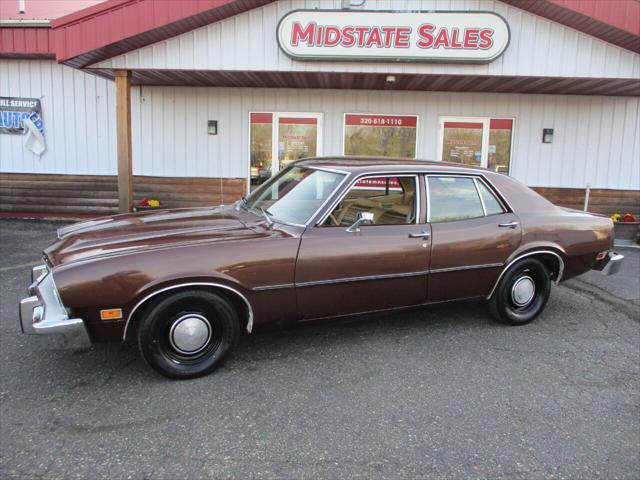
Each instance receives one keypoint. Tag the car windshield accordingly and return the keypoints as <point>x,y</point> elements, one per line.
<point>294,195</point>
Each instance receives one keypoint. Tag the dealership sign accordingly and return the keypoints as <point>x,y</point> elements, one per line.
<point>468,37</point>
<point>14,111</point>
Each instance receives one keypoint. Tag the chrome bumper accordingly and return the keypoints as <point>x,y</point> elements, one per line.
<point>610,264</point>
<point>43,312</point>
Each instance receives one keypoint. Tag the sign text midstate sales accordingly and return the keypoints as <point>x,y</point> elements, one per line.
<point>393,36</point>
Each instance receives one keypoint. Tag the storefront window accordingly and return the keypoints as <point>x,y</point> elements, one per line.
<point>277,139</point>
<point>484,142</point>
<point>500,145</point>
<point>380,135</point>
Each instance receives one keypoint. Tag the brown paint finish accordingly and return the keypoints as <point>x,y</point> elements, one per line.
<point>384,252</point>
<point>289,273</point>
<point>478,247</point>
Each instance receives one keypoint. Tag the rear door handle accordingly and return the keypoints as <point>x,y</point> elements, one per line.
<point>509,225</point>
<point>424,235</point>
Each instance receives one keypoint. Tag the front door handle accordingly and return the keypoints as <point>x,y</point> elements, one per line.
<point>423,235</point>
<point>509,225</point>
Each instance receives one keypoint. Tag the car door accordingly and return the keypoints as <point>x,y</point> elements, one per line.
<point>380,265</point>
<point>473,234</point>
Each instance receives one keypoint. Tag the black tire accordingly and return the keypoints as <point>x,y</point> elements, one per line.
<point>217,324</point>
<point>510,303</point>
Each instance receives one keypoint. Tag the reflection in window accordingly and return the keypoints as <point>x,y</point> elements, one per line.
<point>490,201</point>
<point>453,198</point>
<point>500,145</point>
<point>391,200</point>
<point>295,194</point>
<point>261,148</point>
<point>380,135</point>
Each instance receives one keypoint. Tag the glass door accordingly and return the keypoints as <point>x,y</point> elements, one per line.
<point>280,138</point>
<point>481,141</point>
<point>463,141</point>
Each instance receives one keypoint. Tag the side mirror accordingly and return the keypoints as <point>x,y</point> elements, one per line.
<point>361,219</point>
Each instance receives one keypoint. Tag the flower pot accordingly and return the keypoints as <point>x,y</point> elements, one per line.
<point>627,231</point>
<point>140,208</point>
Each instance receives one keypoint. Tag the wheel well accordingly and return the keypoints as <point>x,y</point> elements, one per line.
<point>555,264</point>
<point>239,303</point>
<point>552,259</point>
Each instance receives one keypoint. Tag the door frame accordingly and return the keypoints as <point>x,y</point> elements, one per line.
<point>275,134</point>
<point>485,120</point>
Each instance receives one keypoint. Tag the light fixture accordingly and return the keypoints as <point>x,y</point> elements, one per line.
<point>391,79</point>
<point>547,135</point>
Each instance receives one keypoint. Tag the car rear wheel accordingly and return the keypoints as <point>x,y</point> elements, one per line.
<point>522,292</point>
<point>188,334</point>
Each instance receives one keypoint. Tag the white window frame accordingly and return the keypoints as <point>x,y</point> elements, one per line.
<point>484,151</point>
<point>344,126</point>
<point>275,135</point>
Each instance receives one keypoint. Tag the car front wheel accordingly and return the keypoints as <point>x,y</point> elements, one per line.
<point>188,334</point>
<point>522,292</point>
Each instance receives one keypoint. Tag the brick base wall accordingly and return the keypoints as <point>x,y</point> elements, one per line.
<point>99,194</point>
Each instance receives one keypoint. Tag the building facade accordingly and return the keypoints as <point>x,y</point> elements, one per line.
<point>225,93</point>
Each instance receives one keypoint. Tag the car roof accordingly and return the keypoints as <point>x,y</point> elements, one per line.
<point>353,164</point>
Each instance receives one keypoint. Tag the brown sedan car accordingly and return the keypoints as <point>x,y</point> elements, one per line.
<point>324,238</point>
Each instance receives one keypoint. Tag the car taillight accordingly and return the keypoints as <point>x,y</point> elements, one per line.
<point>602,255</point>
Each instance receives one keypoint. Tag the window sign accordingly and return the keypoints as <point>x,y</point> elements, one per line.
<point>480,141</point>
<point>297,138</point>
<point>278,139</point>
<point>462,142</point>
<point>380,135</point>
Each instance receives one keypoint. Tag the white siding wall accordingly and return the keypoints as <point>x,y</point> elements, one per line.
<point>597,139</point>
<point>538,47</point>
<point>78,111</point>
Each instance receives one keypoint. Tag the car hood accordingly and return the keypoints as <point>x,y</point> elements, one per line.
<point>128,233</point>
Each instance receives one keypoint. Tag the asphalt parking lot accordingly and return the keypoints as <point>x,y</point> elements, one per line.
<point>441,392</point>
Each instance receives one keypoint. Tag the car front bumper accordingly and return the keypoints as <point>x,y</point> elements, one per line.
<point>610,264</point>
<point>43,312</point>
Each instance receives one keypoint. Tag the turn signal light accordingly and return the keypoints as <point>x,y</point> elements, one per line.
<point>112,314</point>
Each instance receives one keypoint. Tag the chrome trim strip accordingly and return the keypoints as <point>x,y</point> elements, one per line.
<point>375,277</point>
<point>395,173</point>
<point>273,287</point>
<point>191,284</point>
<point>528,254</point>
<point>325,169</point>
<point>467,267</point>
<point>484,207</point>
<point>360,279</point>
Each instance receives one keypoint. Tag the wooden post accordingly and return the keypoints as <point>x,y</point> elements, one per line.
<point>123,133</point>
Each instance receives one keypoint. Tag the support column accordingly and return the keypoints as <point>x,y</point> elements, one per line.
<point>123,133</point>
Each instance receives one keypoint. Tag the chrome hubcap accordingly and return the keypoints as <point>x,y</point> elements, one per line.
<point>190,334</point>
<point>523,291</point>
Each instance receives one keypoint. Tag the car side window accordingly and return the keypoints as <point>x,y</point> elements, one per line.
<point>453,198</point>
<point>491,203</point>
<point>391,200</point>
